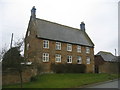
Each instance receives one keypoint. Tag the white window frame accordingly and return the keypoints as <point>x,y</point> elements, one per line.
<point>87,50</point>
<point>69,59</point>
<point>28,45</point>
<point>57,58</point>
<point>79,48</point>
<point>58,46</point>
<point>88,61</point>
<point>69,47</point>
<point>28,33</point>
<point>46,44</point>
<point>79,60</point>
<point>45,57</point>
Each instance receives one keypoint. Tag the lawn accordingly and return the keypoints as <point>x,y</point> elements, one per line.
<point>64,80</point>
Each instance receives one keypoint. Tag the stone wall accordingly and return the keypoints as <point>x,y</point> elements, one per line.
<point>13,77</point>
<point>36,51</point>
<point>98,61</point>
<point>109,67</point>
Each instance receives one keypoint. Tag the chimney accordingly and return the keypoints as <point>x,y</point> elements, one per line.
<point>82,26</point>
<point>33,12</point>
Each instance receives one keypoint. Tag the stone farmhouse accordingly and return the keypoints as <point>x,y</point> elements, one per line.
<point>49,42</point>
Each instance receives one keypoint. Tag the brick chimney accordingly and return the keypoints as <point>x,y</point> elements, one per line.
<point>33,12</point>
<point>82,26</point>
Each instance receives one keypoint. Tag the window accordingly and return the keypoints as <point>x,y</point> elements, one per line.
<point>79,59</point>
<point>45,44</point>
<point>69,47</point>
<point>58,46</point>
<point>45,57</point>
<point>28,45</point>
<point>88,60</point>
<point>78,48</point>
<point>28,33</point>
<point>58,58</point>
<point>87,50</point>
<point>69,59</point>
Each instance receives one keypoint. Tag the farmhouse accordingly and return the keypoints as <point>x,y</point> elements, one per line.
<point>48,42</point>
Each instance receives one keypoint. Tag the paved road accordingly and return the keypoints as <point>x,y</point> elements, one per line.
<point>110,84</point>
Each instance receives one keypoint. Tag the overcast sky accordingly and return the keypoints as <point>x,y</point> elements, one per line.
<point>100,17</point>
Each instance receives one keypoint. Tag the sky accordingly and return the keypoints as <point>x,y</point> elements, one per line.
<point>100,18</point>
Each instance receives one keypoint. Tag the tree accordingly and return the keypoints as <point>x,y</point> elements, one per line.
<point>12,59</point>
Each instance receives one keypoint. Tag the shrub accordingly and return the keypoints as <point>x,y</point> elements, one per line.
<point>33,78</point>
<point>68,68</point>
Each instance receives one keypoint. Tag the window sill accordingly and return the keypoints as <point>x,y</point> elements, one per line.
<point>69,62</point>
<point>78,52</point>
<point>45,48</point>
<point>45,61</point>
<point>58,62</point>
<point>58,49</point>
<point>69,51</point>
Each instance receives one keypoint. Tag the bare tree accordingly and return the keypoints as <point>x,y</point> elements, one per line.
<point>3,51</point>
<point>19,43</point>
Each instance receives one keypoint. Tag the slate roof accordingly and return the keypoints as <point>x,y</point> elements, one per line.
<point>107,56</point>
<point>58,32</point>
<point>117,59</point>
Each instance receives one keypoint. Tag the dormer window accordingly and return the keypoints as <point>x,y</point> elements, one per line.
<point>69,47</point>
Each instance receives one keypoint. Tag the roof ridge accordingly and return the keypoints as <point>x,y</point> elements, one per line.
<point>59,24</point>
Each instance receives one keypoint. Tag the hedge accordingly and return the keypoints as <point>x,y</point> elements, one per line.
<point>68,68</point>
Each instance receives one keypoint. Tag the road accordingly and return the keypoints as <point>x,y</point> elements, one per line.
<point>110,84</point>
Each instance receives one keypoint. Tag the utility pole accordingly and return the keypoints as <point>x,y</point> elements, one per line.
<point>11,41</point>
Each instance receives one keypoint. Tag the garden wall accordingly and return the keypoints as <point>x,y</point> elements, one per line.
<point>109,67</point>
<point>13,77</point>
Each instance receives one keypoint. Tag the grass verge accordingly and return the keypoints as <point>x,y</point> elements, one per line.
<point>65,80</point>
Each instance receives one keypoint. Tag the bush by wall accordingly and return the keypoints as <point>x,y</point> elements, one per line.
<point>68,68</point>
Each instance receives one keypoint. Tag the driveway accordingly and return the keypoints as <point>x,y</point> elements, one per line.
<point>108,84</point>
